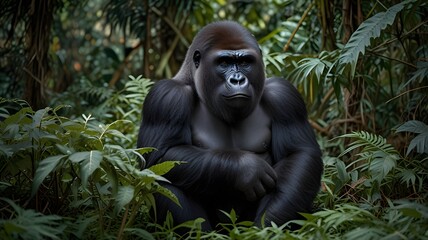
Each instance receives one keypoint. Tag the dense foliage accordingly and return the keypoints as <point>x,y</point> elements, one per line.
<point>68,163</point>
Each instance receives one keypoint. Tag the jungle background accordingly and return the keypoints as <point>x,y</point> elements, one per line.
<point>74,74</point>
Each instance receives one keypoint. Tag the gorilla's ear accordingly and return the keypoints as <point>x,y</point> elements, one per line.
<point>196,58</point>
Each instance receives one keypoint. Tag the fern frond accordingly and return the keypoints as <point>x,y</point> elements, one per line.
<point>370,28</point>
<point>95,94</point>
<point>378,156</point>
<point>369,142</point>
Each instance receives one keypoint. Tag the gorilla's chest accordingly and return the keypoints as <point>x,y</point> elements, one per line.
<point>251,134</point>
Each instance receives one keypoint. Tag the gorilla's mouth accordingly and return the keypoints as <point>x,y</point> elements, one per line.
<point>237,96</point>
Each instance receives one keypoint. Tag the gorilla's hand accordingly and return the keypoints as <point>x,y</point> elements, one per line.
<point>255,177</point>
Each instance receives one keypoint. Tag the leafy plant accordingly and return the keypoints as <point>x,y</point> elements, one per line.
<point>377,169</point>
<point>400,220</point>
<point>29,224</point>
<point>79,162</point>
<point>420,142</point>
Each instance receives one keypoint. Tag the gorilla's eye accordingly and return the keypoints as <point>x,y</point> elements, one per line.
<point>244,63</point>
<point>224,62</point>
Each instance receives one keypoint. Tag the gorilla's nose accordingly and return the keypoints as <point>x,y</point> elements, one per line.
<point>237,80</point>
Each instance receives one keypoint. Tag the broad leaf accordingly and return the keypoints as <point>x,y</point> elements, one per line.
<point>78,157</point>
<point>89,165</point>
<point>46,166</point>
<point>124,196</point>
<point>420,142</point>
<point>341,171</point>
<point>89,162</point>
<point>164,167</point>
<point>167,193</point>
<point>38,116</point>
<point>413,126</point>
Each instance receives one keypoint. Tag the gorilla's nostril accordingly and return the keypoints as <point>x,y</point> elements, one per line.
<point>237,80</point>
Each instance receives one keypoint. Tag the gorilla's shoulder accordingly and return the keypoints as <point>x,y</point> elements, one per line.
<point>169,99</point>
<point>282,98</point>
<point>277,88</point>
<point>172,87</point>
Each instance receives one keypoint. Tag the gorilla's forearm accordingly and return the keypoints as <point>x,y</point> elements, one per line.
<point>293,195</point>
<point>204,171</point>
<point>220,172</point>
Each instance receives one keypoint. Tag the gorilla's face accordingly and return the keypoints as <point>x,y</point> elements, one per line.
<point>229,81</point>
<point>233,67</point>
<point>225,65</point>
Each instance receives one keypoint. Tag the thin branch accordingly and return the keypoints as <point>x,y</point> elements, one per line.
<point>123,223</point>
<point>403,93</point>
<point>298,26</point>
<point>171,24</point>
<point>393,59</point>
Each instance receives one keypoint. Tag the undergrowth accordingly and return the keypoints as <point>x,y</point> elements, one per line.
<point>79,177</point>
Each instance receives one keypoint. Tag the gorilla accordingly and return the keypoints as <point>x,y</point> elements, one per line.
<point>244,140</point>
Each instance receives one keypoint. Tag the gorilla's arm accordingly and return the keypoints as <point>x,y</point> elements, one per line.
<point>296,154</point>
<point>166,122</point>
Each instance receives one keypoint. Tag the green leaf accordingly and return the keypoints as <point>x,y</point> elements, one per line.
<point>12,228</point>
<point>411,212</point>
<point>144,150</point>
<point>118,134</point>
<point>413,209</point>
<point>167,193</point>
<point>419,75</point>
<point>19,116</point>
<point>341,171</point>
<point>5,150</point>
<point>89,165</point>
<point>73,126</point>
<point>38,116</point>
<point>370,28</point>
<point>112,176</point>
<point>408,176</point>
<point>124,196</point>
<point>78,157</point>
<point>370,144</point>
<point>89,162</point>
<point>164,167</point>
<point>413,126</point>
<point>382,164</point>
<point>420,142</point>
<point>64,149</point>
<point>29,224</point>
<point>46,166</point>
<point>140,233</point>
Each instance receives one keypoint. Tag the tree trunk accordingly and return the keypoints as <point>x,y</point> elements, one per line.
<point>36,70</point>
